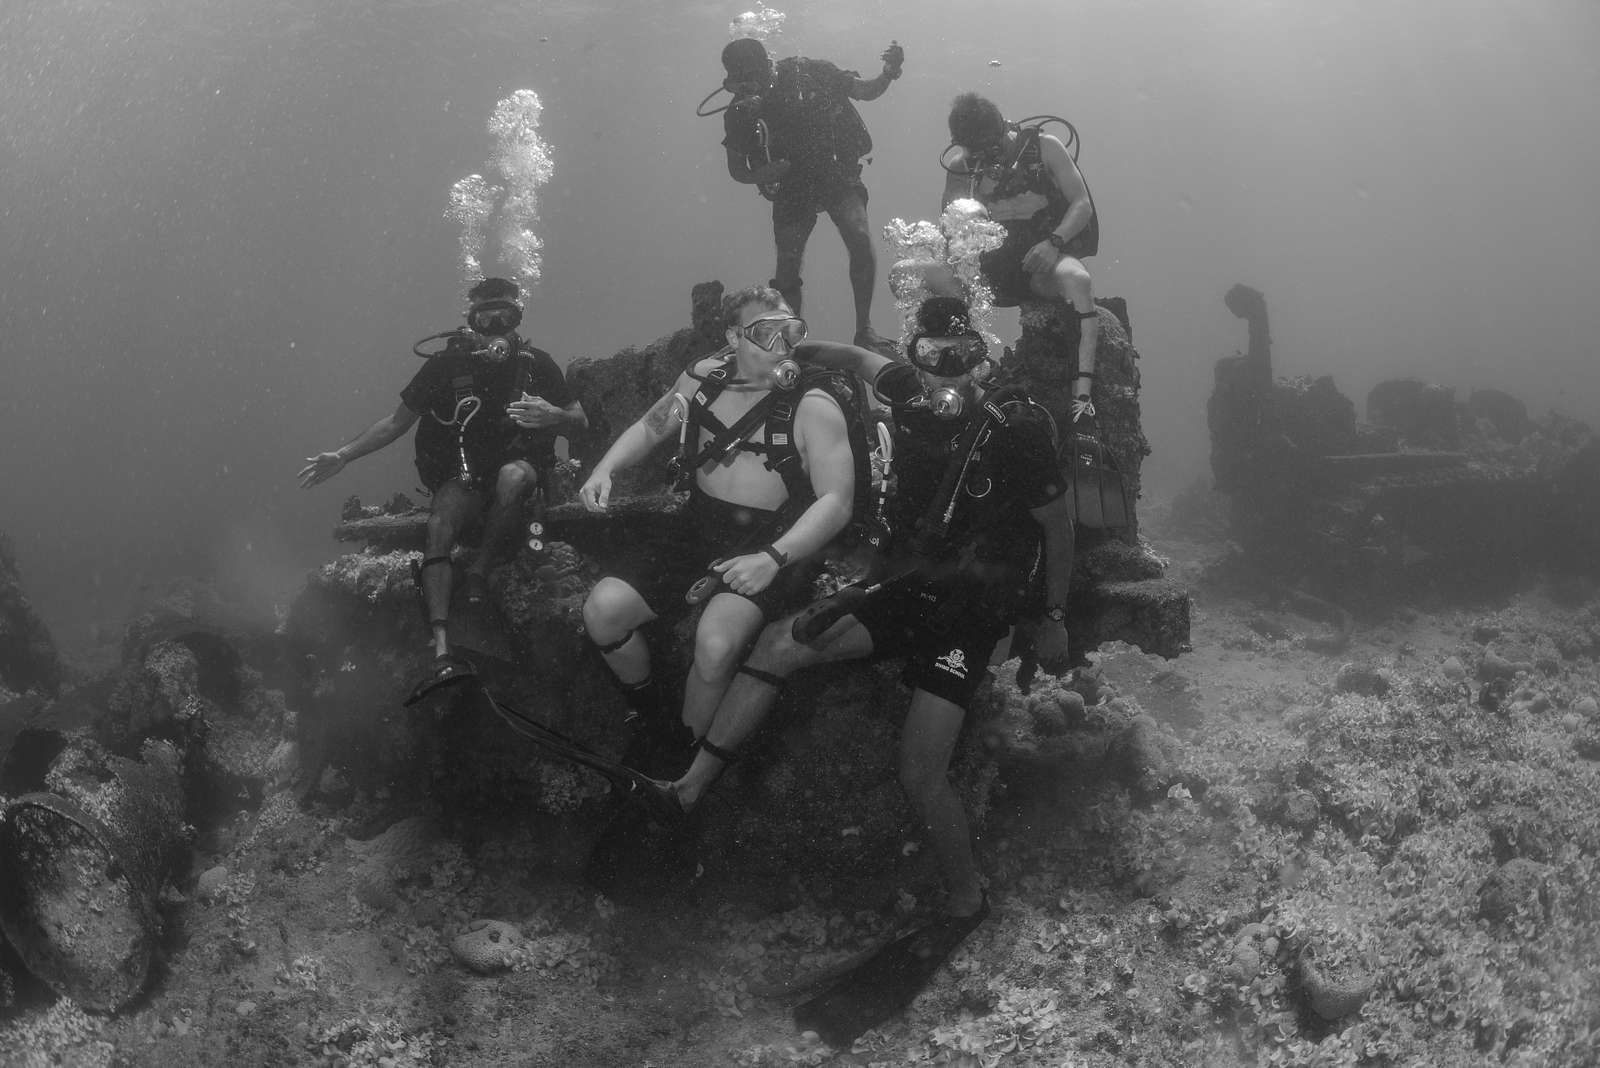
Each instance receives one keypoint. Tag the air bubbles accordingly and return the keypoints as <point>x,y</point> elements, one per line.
<point>761,24</point>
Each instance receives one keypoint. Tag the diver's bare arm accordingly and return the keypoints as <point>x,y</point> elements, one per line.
<point>870,88</point>
<point>1055,520</point>
<point>577,418</point>
<point>1070,181</point>
<point>379,434</point>
<point>824,444</point>
<point>863,363</point>
<point>640,440</point>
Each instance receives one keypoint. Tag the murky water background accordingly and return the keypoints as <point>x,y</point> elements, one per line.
<point>221,225</point>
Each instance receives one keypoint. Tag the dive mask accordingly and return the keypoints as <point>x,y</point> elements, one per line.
<point>494,317</point>
<point>948,357</point>
<point>765,333</point>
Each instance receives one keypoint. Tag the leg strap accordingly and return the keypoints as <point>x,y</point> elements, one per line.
<point>611,647</point>
<point>727,756</point>
<point>430,561</point>
<point>1092,313</point>
<point>777,682</point>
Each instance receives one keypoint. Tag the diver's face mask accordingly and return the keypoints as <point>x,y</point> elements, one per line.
<point>748,81</point>
<point>947,367</point>
<point>767,332</point>
<point>495,318</point>
<point>985,153</point>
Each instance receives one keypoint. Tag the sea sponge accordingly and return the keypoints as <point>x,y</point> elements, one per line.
<point>487,946</point>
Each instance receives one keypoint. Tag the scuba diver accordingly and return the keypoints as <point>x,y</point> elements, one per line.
<point>792,132</point>
<point>981,532</point>
<point>761,504</point>
<point>1029,182</point>
<point>488,407</point>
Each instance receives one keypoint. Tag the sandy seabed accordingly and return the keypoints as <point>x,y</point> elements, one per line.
<point>1381,857</point>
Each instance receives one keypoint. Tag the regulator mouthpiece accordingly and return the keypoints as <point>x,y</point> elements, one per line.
<point>786,375</point>
<point>946,403</point>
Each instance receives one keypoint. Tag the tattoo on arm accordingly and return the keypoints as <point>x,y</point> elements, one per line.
<point>659,415</point>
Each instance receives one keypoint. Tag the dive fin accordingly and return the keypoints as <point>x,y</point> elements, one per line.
<point>447,670</point>
<point>886,982</point>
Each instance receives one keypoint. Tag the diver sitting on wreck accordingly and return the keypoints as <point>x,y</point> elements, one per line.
<point>1029,182</point>
<point>759,509</point>
<point>980,535</point>
<point>494,405</point>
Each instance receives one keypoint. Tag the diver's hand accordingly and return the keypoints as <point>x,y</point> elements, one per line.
<point>1082,405</point>
<point>894,58</point>
<point>535,413</point>
<point>596,493</point>
<point>749,574</point>
<point>320,468</point>
<point>1041,258</point>
<point>1050,646</point>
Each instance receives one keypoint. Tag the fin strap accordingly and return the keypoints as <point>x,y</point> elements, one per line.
<point>727,756</point>
<point>777,682</point>
<point>611,647</point>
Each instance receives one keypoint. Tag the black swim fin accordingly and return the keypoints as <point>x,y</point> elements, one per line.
<point>447,670</point>
<point>886,983</point>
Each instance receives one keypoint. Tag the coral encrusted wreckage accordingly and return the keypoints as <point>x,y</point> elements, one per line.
<point>1328,833</point>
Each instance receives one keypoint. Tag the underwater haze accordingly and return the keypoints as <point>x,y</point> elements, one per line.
<point>222,224</point>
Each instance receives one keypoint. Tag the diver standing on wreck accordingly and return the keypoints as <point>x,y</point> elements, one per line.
<point>793,132</point>
<point>488,407</point>
<point>1029,182</point>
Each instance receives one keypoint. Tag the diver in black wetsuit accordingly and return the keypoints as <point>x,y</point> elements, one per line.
<point>982,529</point>
<point>488,408</point>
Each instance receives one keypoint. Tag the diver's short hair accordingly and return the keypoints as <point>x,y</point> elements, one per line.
<point>734,303</point>
<point>745,54</point>
<point>945,317</point>
<point>494,289</point>
<point>971,116</point>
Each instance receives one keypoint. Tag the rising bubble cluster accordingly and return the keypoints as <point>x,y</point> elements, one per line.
<point>943,259</point>
<point>761,24</point>
<point>505,210</point>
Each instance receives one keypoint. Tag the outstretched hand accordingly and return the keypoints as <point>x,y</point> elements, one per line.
<point>894,58</point>
<point>320,468</point>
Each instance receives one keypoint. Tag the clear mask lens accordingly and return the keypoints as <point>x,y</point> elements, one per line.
<point>499,317</point>
<point>765,333</point>
<point>948,357</point>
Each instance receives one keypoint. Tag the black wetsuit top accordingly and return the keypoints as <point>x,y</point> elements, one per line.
<point>810,121</point>
<point>491,438</point>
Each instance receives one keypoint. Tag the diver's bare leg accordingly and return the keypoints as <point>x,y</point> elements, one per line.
<point>791,229</point>
<point>849,213</point>
<point>454,509</point>
<point>926,744</point>
<point>516,480</point>
<point>749,698</point>
<point>1070,281</point>
<point>727,626</point>
<point>613,613</point>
